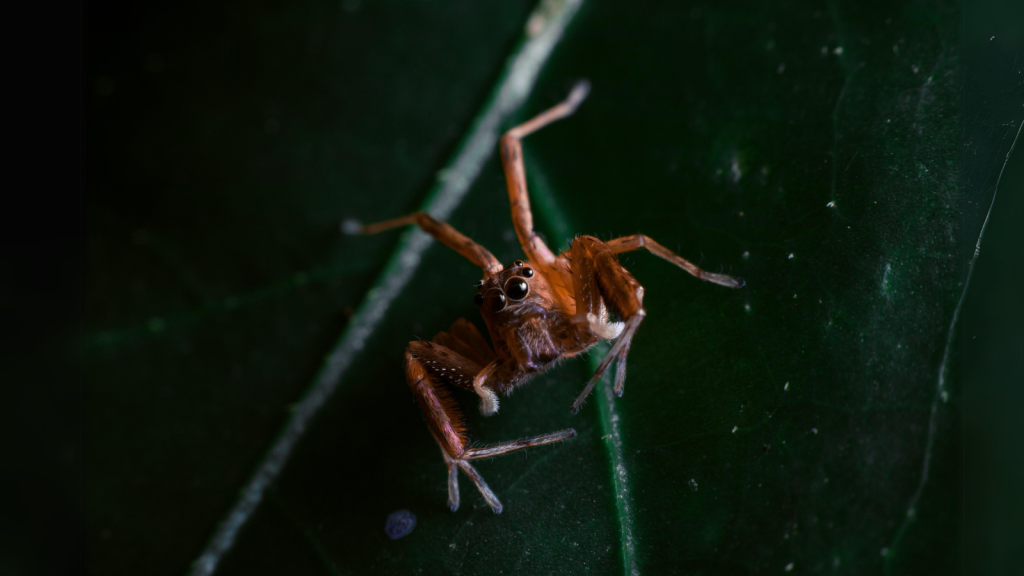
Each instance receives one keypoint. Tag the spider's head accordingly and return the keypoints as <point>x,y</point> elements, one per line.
<point>509,289</point>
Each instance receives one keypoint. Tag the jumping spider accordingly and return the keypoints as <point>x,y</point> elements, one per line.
<point>537,312</point>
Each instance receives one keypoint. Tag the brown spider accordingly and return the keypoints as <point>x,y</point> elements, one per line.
<point>537,312</point>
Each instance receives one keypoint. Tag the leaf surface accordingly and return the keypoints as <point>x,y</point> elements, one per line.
<point>828,153</point>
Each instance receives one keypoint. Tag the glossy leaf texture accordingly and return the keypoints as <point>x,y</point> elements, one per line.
<point>832,154</point>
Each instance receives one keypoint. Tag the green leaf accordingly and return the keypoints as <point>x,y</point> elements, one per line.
<point>833,155</point>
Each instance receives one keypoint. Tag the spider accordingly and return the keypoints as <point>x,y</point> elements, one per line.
<point>538,311</point>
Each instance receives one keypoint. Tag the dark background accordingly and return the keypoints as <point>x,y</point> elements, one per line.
<point>134,217</point>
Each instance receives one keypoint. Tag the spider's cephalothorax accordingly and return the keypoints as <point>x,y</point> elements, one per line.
<point>530,326</point>
<point>537,312</point>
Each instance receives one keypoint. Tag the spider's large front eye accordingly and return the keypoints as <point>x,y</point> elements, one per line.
<point>495,300</point>
<point>517,288</point>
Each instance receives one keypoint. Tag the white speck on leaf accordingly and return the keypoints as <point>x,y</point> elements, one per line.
<point>789,567</point>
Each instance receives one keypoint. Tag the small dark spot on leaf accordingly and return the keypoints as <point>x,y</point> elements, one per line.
<point>399,524</point>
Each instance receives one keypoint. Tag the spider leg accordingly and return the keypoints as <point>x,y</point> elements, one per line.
<point>479,453</point>
<point>453,482</point>
<point>618,351</point>
<point>430,370</point>
<point>464,339</point>
<point>505,448</point>
<point>601,285</point>
<point>638,241</point>
<point>599,280</point>
<point>515,174</point>
<point>440,230</point>
<point>481,485</point>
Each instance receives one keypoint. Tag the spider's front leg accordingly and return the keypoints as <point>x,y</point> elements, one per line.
<point>601,285</point>
<point>515,175</point>
<point>430,370</point>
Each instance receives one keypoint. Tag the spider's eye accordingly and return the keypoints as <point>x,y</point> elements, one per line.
<point>518,263</point>
<point>478,299</point>
<point>494,300</point>
<point>527,272</point>
<point>517,288</point>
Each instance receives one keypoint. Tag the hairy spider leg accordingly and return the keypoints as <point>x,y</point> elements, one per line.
<point>464,339</point>
<point>453,482</point>
<point>603,285</point>
<point>618,352</point>
<point>498,450</point>
<point>638,241</point>
<point>444,234</point>
<point>596,270</point>
<point>430,370</point>
<point>479,453</point>
<point>515,175</point>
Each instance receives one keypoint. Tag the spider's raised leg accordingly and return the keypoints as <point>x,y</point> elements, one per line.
<point>638,241</point>
<point>601,286</point>
<point>440,230</point>
<point>599,278</point>
<point>515,174</point>
<point>430,369</point>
